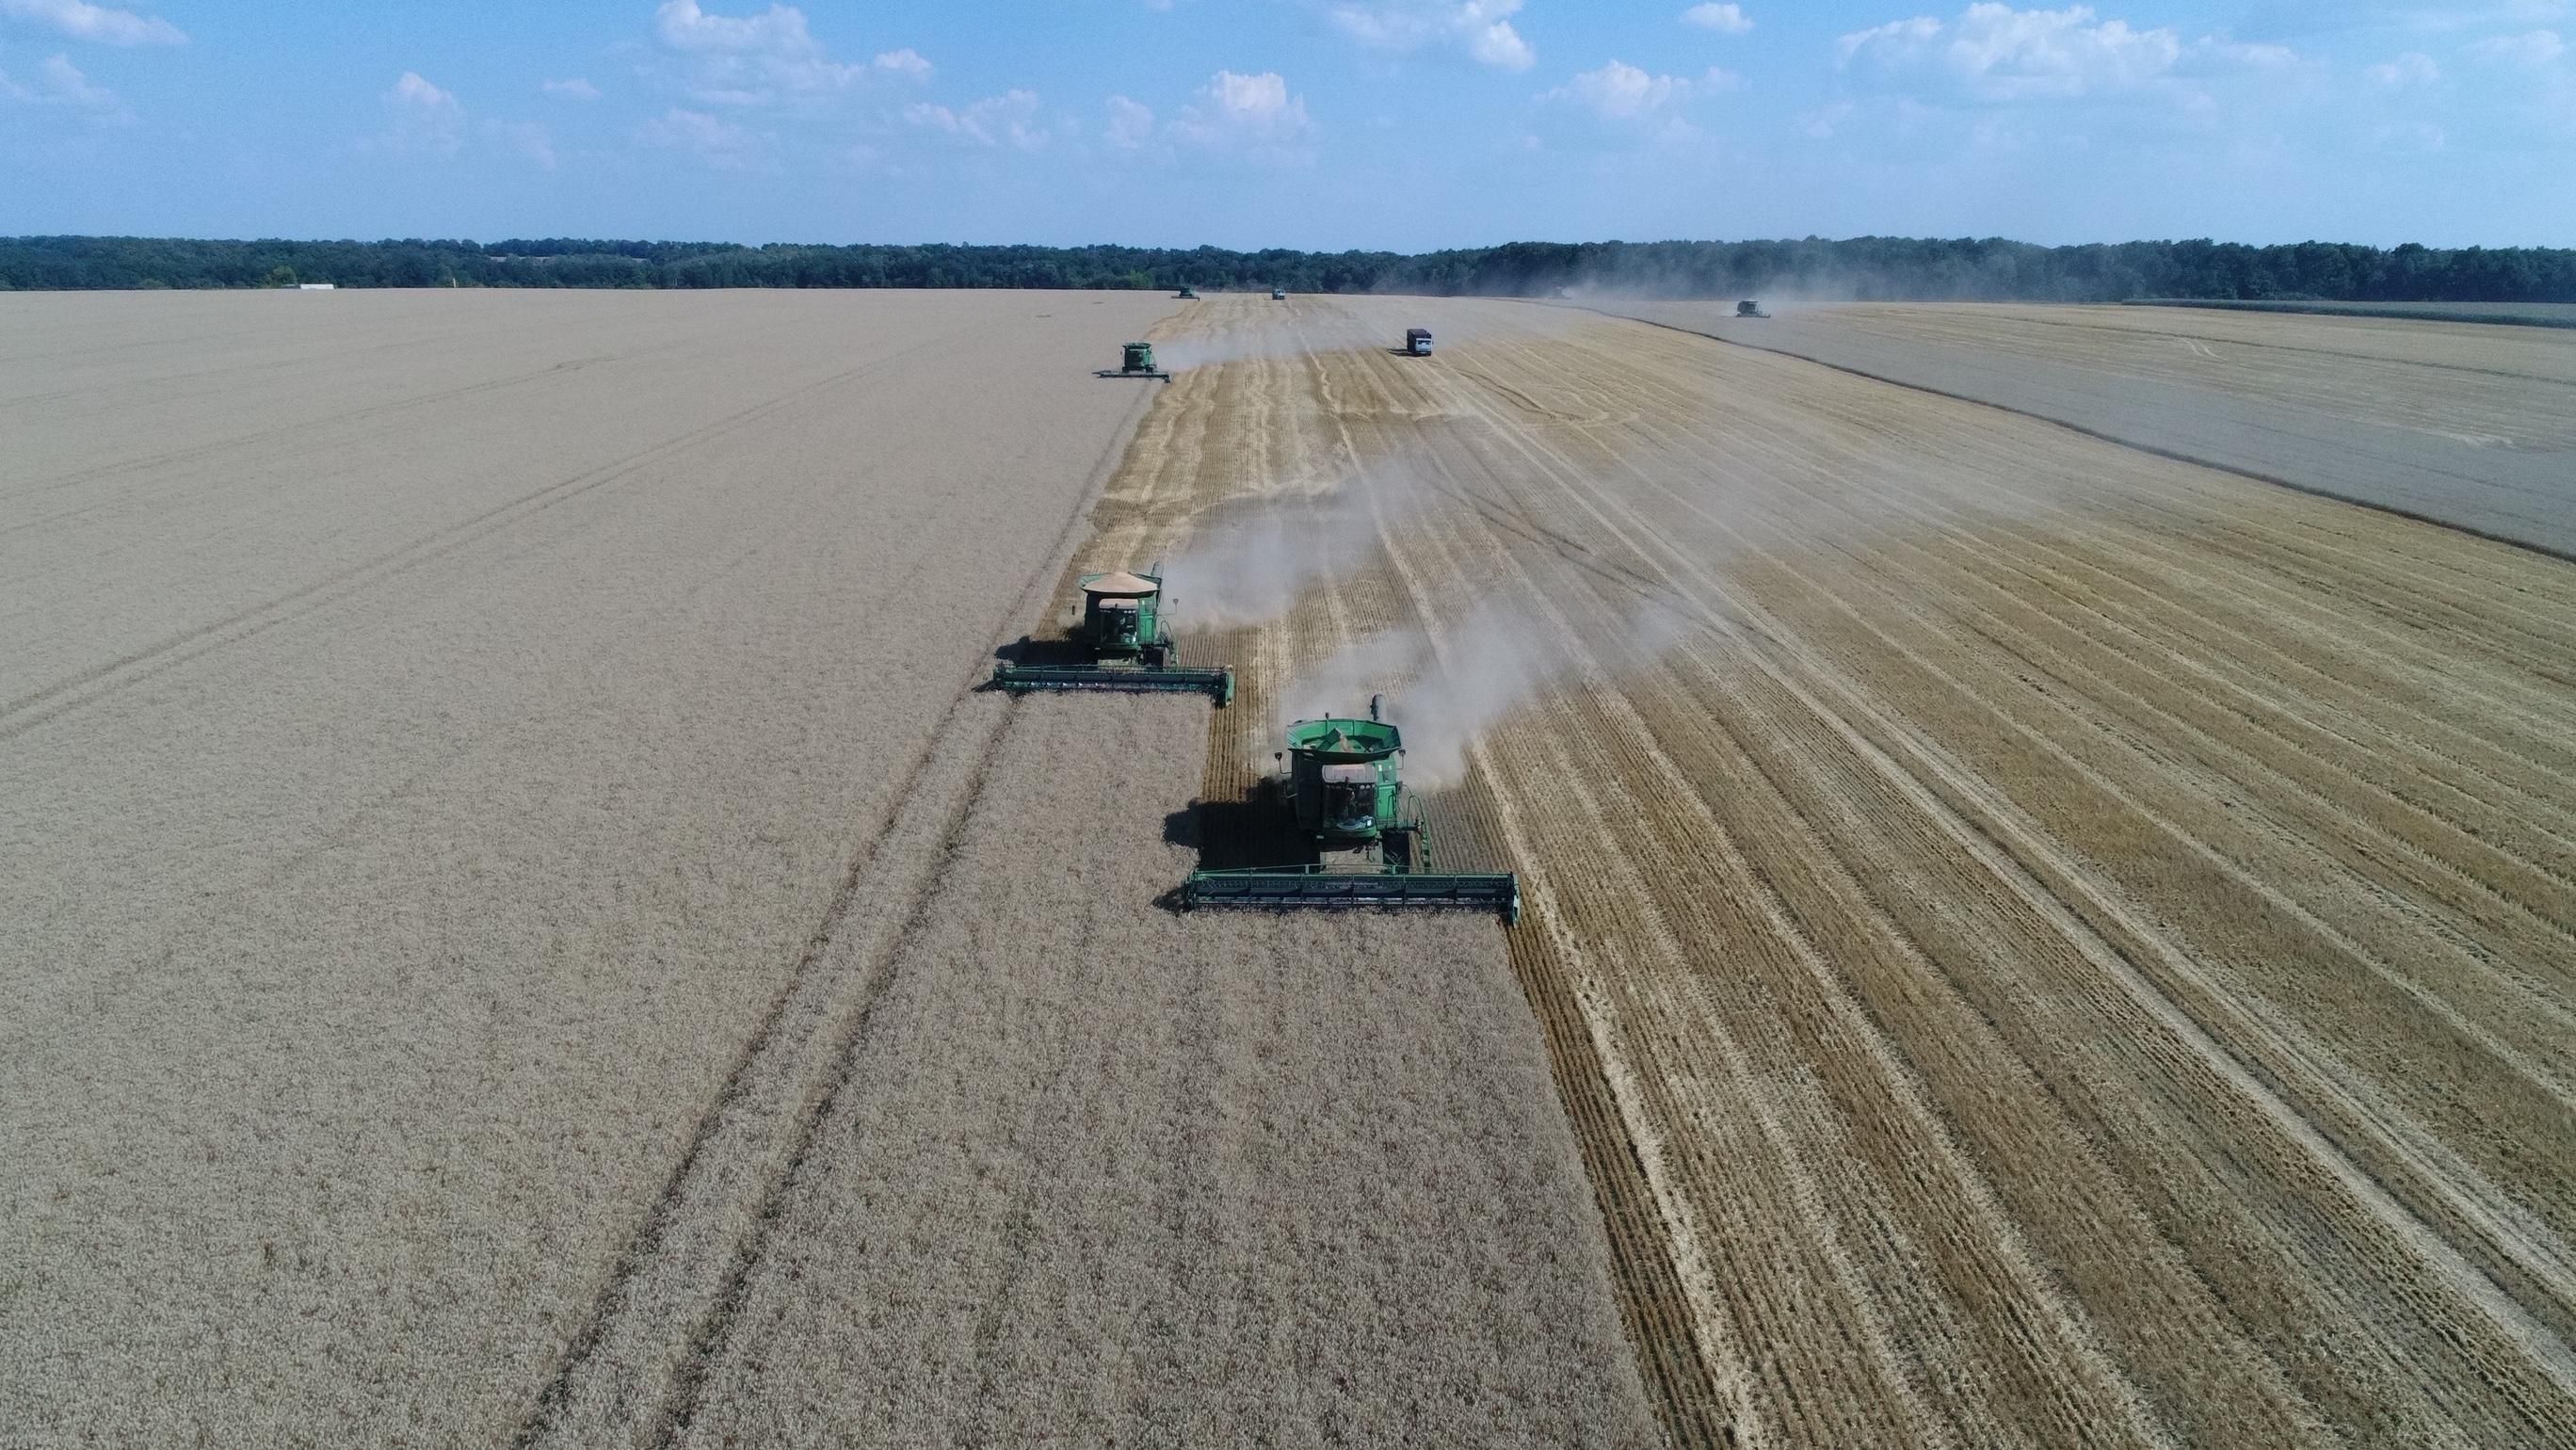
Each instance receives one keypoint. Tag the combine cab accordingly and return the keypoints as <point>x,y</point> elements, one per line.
<point>1135,360</point>
<point>1124,644</point>
<point>1343,788</point>
<point>1750,308</point>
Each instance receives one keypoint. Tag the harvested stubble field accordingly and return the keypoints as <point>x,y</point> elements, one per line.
<point>497,840</point>
<point>2062,946</point>
<point>2468,424</point>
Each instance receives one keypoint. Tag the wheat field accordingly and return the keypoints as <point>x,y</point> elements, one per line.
<point>520,928</point>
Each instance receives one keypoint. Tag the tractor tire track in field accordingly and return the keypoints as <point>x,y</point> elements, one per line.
<point>633,1372</point>
<point>2070,948</point>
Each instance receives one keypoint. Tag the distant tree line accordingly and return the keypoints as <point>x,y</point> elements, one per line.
<point>1871,268</point>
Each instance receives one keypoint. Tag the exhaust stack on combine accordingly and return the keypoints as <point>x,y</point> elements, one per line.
<point>1345,790</point>
<point>1126,644</point>
<point>1135,360</point>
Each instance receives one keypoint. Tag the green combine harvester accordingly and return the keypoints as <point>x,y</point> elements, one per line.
<point>1135,360</point>
<point>1345,791</point>
<point>1125,645</point>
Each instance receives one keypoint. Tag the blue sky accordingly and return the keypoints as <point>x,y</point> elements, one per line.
<point>1408,124</point>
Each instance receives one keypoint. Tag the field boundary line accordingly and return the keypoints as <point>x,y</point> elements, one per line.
<point>632,1374</point>
<point>2310,489</point>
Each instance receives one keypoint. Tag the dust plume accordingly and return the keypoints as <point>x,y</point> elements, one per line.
<point>1257,563</point>
<point>1448,690</point>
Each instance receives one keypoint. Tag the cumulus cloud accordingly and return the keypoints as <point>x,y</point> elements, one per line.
<point>2005,54</point>
<point>712,139</point>
<point>1256,112</point>
<point>779,30</point>
<point>765,58</point>
<point>1619,91</point>
<point>1009,119</point>
<point>83,21</point>
<point>423,118</point>
<point>2531,50</point>
<point>1131,123</point>
<point>1994,52</point>
<point>1480,28</point>
<point>575,89</point>
<point>2414,68</point>
<point>906,62</point>
<point>1724,19</point>
<point>61,83</point>
<point>526,139</point>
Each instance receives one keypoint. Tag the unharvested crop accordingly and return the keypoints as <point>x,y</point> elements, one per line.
<point>433,730</point>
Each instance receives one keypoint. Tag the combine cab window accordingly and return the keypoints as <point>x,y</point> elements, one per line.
<point>1350,806</point>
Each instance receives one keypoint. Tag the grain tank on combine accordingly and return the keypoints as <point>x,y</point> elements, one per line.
<point>1344,788</point>
<point>1124,644</point>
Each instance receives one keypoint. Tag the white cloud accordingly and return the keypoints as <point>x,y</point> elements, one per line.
<point>906,62</point>
<point>83,21</point>
<point>1257,112</point>
<point>779,30</point>
<point>1481,28</point>
<point>1008,119</point>
<point>2531,49</point>
<point>1724,19</point>
<point>424,118</point>
<point>762,59</point>
<point>575,89</point>
<point>2414,68</point>
<point>60,83</point>
<point>1997,53</point>
<point>717,142</point>
<point>1131,123</point>
<point>527,139</point>
<point>1619,91</point>
<point>1824,121</point>
<point>1896,37</point>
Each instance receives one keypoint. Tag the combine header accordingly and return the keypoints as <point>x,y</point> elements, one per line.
<point>1125,645</point>
<point>1135,360</point>
<point>1343,788</point>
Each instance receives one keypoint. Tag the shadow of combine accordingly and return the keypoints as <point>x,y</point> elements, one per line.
<point>1253,833</point>
<point>1029,651</point>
